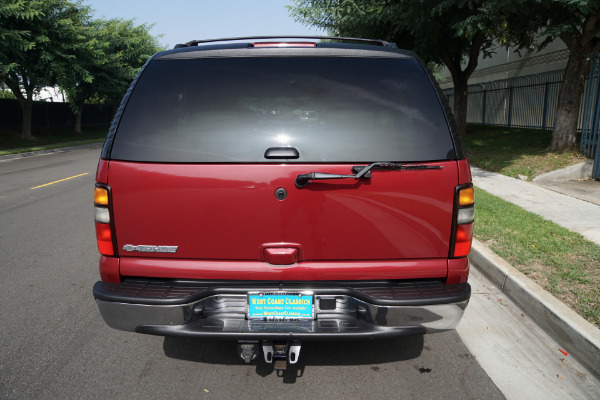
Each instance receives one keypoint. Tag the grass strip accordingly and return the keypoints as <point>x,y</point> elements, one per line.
<point>561,261</point>
<point>49,138</point>
<point>513,151</point>
<point>49,146</point>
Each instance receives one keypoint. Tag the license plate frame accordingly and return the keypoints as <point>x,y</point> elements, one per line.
<point>280,305</point>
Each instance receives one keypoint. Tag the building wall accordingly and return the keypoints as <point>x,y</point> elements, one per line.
<point>508,63</point>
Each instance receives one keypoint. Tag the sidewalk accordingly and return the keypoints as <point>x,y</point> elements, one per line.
<point>572,213</point>
<point>577,335</point>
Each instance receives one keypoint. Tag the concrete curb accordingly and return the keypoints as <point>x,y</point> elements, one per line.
<point>577,336</point>
<point>582,170</point>
<point>49,151</point>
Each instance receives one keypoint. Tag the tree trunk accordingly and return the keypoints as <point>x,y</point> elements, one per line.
<point>26,103</point>
<point>26,114</point>
<point>461,92</point>
<point>78,115</point>
<point>460,79</point>
<point>564,133</point>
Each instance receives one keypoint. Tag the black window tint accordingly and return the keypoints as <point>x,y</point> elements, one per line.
<point>331,109</point>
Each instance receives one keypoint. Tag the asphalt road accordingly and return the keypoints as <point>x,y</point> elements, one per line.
<point>54,344</point>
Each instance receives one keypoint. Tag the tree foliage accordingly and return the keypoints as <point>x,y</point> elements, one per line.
<point>456,32</point>
<point>14,36</point>
<point>115,50</point>
<point>449,32</point>
<point>577,24</point>
<point>37,47</point>
<point>49,42</point>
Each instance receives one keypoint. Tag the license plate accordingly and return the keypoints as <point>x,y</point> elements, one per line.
<point>280,306</point>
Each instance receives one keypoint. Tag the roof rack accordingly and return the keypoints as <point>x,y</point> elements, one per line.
<point>346,39</point>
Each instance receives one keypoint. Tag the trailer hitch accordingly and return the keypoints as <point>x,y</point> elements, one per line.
<point>280,354</point>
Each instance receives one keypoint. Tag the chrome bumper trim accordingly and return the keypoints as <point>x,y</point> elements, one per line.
<point>225,316</point>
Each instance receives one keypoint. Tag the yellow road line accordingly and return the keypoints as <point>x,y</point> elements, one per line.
<point>66,179</point>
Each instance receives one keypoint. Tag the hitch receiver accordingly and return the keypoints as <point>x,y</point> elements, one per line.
<point>281,353</point>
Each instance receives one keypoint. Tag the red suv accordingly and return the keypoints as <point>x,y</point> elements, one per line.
<point>280,191</point>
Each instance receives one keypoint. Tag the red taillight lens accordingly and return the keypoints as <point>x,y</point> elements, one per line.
<point>464,237</point>
<point>104,239</point>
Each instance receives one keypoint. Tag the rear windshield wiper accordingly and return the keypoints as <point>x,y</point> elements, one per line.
<point>361,172</point>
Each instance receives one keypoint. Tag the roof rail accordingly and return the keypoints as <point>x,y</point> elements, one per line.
<point>346,39</point>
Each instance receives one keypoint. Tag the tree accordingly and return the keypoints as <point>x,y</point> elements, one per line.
<point>116,50</point>
<point>38,39</point>
<point>12,36</point>
<point>449,32</point>
<point>576,23</point>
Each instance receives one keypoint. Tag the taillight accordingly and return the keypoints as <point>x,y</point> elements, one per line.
<point>105,236</point>
<point>462,226</point>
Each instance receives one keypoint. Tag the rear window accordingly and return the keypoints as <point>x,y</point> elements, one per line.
<point>331,109</point>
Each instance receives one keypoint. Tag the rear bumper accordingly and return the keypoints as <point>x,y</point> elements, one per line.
<point>343,310</point>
